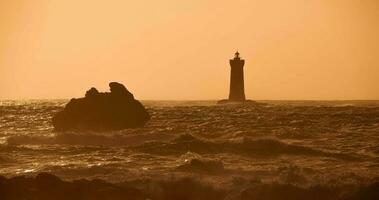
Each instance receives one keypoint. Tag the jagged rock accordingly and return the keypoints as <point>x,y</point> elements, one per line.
<point>92,93</point>
<point>102,111</point>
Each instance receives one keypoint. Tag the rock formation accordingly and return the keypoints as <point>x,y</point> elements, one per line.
<point>102,111</point>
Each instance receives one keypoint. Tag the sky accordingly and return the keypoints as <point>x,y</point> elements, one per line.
<point>180,49</point>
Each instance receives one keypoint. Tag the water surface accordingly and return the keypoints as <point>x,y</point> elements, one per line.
<point>297,142</point>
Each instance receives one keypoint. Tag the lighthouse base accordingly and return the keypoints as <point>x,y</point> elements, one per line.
<point>247,101</point>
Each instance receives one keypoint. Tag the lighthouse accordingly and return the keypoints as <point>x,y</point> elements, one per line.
<point>237,88</point>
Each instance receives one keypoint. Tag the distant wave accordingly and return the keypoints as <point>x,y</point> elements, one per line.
<point>88,139</point>
<point>6,159</point>
<point>202,166</point>
<point>166,144</point>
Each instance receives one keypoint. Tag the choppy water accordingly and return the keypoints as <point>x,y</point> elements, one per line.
<point>303,143</point>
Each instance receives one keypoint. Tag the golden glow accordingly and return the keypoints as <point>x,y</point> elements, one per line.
<point>170,49</point>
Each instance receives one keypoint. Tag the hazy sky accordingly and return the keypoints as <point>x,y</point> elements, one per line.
<point>180,49</point>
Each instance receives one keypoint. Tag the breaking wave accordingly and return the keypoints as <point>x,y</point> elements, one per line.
<point>241,146</point>
<point>166,144</point>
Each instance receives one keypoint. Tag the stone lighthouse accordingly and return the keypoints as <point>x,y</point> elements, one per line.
<point>237,88</point>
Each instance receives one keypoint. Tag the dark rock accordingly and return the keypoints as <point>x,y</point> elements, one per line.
<point>92,93</point>
<point>120,91</point>
<point>102,111</point>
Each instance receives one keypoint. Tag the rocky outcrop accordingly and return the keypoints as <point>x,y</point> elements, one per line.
<point>102,111</point>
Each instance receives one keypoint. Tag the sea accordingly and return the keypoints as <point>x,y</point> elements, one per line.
<point>228,147</point>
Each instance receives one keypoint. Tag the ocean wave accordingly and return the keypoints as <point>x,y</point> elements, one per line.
<point>93,171</point>
<point>324,140</point>
<point>6,160</point>
<point>88,139</point>
<point>245,146</point>
<point>47,186</point>
<point>202,166</point>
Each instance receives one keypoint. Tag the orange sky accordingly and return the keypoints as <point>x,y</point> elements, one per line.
<point>171,49</point>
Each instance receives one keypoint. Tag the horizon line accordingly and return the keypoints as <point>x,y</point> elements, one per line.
<point>36,99</point>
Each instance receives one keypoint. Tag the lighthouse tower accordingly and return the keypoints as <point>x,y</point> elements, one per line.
<point>237,88</point>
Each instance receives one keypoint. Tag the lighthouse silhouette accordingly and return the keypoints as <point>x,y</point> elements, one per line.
<point>237,88</point>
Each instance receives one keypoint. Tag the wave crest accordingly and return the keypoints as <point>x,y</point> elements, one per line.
<point>88,139</point>
<point>243,146</point>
